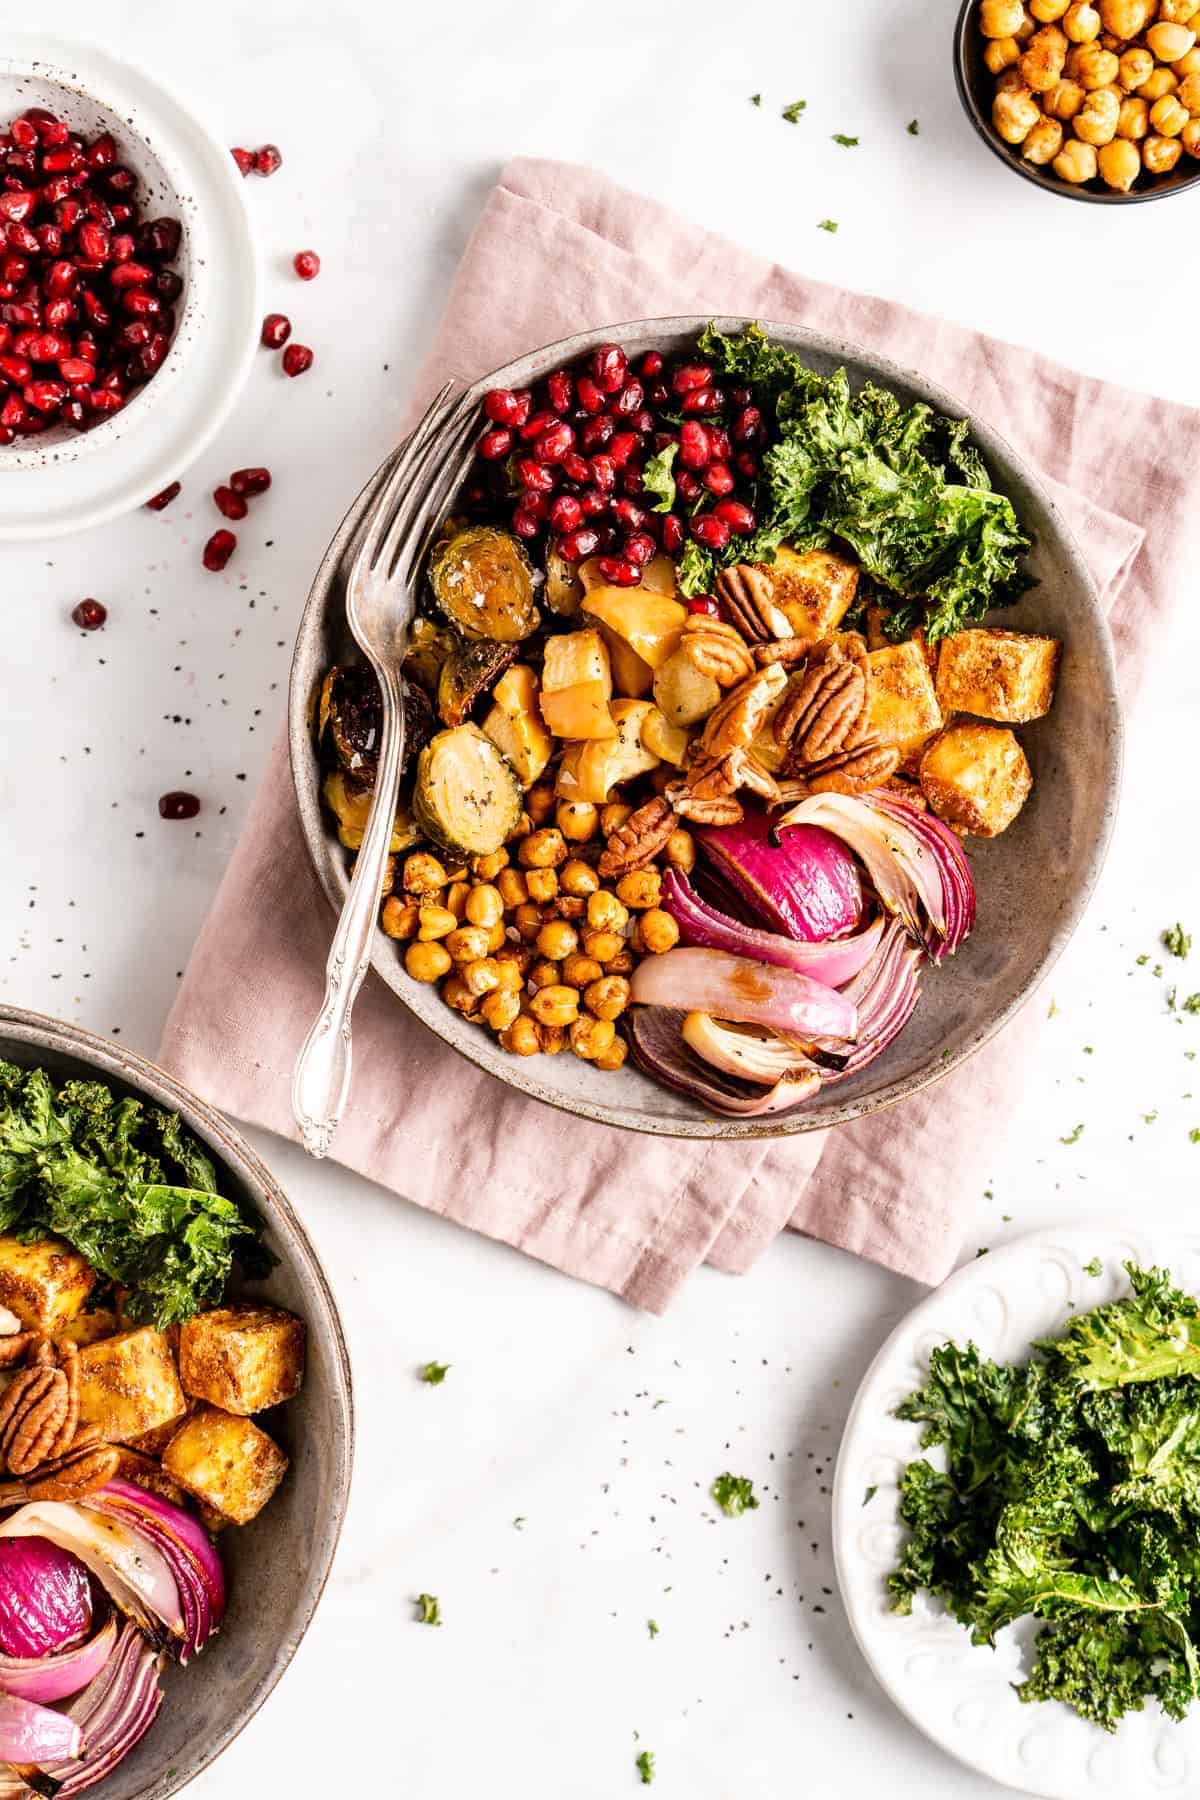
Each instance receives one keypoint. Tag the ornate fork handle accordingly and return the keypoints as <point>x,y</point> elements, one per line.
<point>321,1081</point>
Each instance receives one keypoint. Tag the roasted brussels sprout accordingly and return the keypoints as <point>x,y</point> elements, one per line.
<point>467,798</point>
<point>564,589</point>
<point>467,673</point>
<point>350,803</point>
<point>483,582</point>
<point>351,714</point>
<point>429,644</point>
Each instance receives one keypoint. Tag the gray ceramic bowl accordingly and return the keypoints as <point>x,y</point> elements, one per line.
<point>1033,882</point>
<point>278,1564</point>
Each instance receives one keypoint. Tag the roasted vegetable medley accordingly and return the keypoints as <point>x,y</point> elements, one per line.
<point>703,652</point>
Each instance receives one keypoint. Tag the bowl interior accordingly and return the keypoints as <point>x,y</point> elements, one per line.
<point>277,1565</point>
<point>976,87</point>
<point>162,190</point>
<point>1033,882</point>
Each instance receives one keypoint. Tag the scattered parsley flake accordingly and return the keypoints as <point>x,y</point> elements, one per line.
<point>827,225</point>
<point>430,1610</point>
<point>1192,1003</point>
<point>1073,1137</point>
<point>847,143</point>
<point>1088,1050</point>
<point>1095,1267</point>
<point>1194,1135</point>
<point>792,113</point>
<point>519,1522</point>
<point>982,1251</point>
<point>1157,970</point>
<point>643,1762</point>
<point>1176,940</point>
<point>1052,1009</point>
<point>1006,1218</point>
<point>756,99</point>
<point>652,1627</point>
<point>434,1373</point>
<point>913,128</point>
<point>734,1494</point>
<point>870,1493</point>
<point>1149,1118</point>
<point>1142,961</point>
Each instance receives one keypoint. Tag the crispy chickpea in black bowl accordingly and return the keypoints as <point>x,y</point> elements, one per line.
<point>1093,99</point>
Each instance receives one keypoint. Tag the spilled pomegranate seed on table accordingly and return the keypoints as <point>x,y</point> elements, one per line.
<point>89,615</point>
<point>267,160</point>
<point>178,805</point>
<point>230,504</point>
<point>296,359</point>
<point>250,481</point>
<point>307,264</point>
<point>164,499</point>
<point>218,550</point>
<point>276,330</point>
<point>243,158</point>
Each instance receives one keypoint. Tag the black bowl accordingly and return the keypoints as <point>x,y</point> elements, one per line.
<point>976,85</point>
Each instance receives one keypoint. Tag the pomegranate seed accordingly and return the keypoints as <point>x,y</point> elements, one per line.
<point>630,516</point>
<point>250,481</point>
<point>596,433</point>
<point>631,480</point>
<point>705,604</point>
<point>748,427</point>
<point>575,467</point>
<point>231,505</point>
<point>122,212</point>
<point>718,443</point>
<point>122,246</point>
<point>688,486</point>
<point>167,284</point>
<point>160,501</point>
<point>133,334</point>
<point>61,278</point>
<point>629,401</point>
<point>49,239</point>
<point>618,571</point>
<point>736,514</point>
<point>552,445</point>
<point>17,369</point>
<point>218,550</point>
<point>14,269</point>
<point>296,359</point>
<point>695,450</point>
<point>672,533</point>
<point>180,805</point>
<point>267,160</point>
<point>658,393</point>
<point>89,615</point>
<point>565,513</point>
<point>525,523</point>
<point>307,264</point>
<point>561,390</point>
<point>127,274</point>
<point>535,475</point>
<point>495,443</point>
<point>104,400</point>
<point>603,472</point>
<point>17,204</point>
<point>73,368</point>
<point>95,243</point>
<point>623,446</point>
<point>703,400</point>
<point>14,414</point>
<point>119,181</point>
<point>639,548</point>
<point>690,376</point>
<point>103,153</point>
<point>746,464</point>
<point>592,502</point>
<point>244,159</point>
<point>23,134</point>
<point>608,367</point>
<point>575,545</point>
<point>711,532</point>
<point>141,305</point>
<point>739,396</point>
<point>652,365</point>
<point>503,406</point>
<point>537,422</point>
<point>536,505</point>
<point>718,479</point>
<point>590,397</point>
<point>21,238</point>
<point>96,310</point>
<point>62,162</point>
<point>276,330</point>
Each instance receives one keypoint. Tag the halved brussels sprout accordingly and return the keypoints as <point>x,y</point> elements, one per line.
<point>483,582</point>
<point>351,712</point>
<point>429,644</point>
<point>350,803</point>
<point>467,798</point>
<point>467,673</point>
<point>564,589</point>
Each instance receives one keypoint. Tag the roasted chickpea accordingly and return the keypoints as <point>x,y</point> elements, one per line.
<point>458,996</point>
<point>1190,137</point>
<point>456,898</point>
<point>1096,68</point>
<point>508,976</point>
<point>1188,65</point>
<point>483,976</point>
<point>435,922</point>
<point>511,887</point>
<point>570,906</point>
<point>521,829</point>
<point>621,963</point>
<point>578,878</point>
<point>555,1005</point>
<point>602,946</point>
<point>590,1037</point>
<point>607,997</point>
<point>1188,93</point>
<point>1046,12</point>
<point>1075,162</point>
<point>605,912</point>
<point>467,944</point>
<point>544,974</point>
<point>483,905</point>
<point>613,816</point>
<point>578,820</point>
<point>500,1009</point>
<point>1011,82</point>
<point>681,850</point>
<point>579,971</point>
<point>1001,18</point>
<point>389,876</point>
<point>1170,42</point>
<point>1120,164</point>
<point>1081,23</point>
<point>1026,28</point>
<point>1178,12</point>
<point>552,1038</point>
<point>542,885</point>
<point>1063,101</point>
<point>1134,66</point>
<point>539,802</point>
<point>497,936</point>
<point>543,849</point>
<point>488,867</point>
<point>1125,18</point>
<point>1160,154</point>
<point>1044,142</point>
<point>658,930</point>
<point>521,1037</point>
<point>528,920</point>
<point>640,888</point>
<point>400,918</point>
<point>557,939</point>
<point>1133,120</point>
<point>427,962</point>
<point>519,956</point>
<point>1014,114</point>
<point>1000,54</point>
<point>1107,41</point>
<point>1168,117</point>
<point>423,874</point>
<point>1097,122</point>
<point>614,1056</point>
<point>1161,82</point>
<point>1044,55</point>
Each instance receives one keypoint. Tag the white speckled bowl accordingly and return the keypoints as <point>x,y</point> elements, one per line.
<point>64,480</point>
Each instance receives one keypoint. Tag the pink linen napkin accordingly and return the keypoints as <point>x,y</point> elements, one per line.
<point>559,249</point>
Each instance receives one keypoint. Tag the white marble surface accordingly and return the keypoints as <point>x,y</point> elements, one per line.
<point>393,120</point>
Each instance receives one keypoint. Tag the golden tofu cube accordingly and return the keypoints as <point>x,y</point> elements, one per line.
<point>1003,675</point>
<point>128,1384</point>
<point>976,777</point>
<point>89,1327</point>
<point>878,639</point>
<point>901,704</point>
<point>144,1472</point>
<point>815,590</point>
<point>43,1284</point>
<point>153,1443</point>
<point>242,1358</point>
<point>226,1463</point>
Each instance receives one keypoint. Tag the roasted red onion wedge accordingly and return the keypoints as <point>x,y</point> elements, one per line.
<point>656,1041</point>
<point>833,962</point>
<point>749,993</point>
<point>803,883</point>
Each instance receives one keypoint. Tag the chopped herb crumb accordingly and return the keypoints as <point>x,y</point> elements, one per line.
<point>643,1762</point>
<point>1088,1050</point>
<point>870,1493</point>
<point>756,99</point>
<point>1149,1118</point>
<point>847,143</point>
<point>827,225</point>
<point>652,1627</point>
<point>1192,1003</point>
<point>734,1494</point>
<point>1006,1218</point>
<point>430,1612</point>
<point>1142,961</point>
<point>1194,1135</point>
<point>434,1373</point>
<point>1073,1137</point>
<point>519,1522</point>
<point>982,1251</point>
<point>1177,941</point>
<point>913,128</point>
<point>1052,1009</point>
<point>792,113</point>
<point>1095,1267</point>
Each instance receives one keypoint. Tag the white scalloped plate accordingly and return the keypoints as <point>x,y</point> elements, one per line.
<point>959,1694</point>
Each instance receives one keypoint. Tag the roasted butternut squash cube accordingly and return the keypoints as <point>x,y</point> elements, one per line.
<point>577,686</point>
<point>683,693</point>
<point>815,589</point>
<point>242,1358</point>
<point>650,623</point>
<point>514,723</point>
<point>44,1284</point>
<point>589,770</point>
<point>128,1384</point>
<point>632,677</point>
<point>226,1463</point>
<point>901,704</point>
<point>1004,675</point>
<point>976,777</point>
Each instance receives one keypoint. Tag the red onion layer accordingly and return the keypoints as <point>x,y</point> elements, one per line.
<point>833,962</point>
<point>801,882</point>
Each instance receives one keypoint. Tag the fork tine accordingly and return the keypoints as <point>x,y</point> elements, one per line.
<point>384,502</point>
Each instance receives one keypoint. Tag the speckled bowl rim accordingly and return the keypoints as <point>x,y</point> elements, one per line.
<point>327,857</point>
<point>42,1032</point>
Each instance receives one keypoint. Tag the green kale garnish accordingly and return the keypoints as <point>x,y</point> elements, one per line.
<point>1177,941</point>
<point>657,478</point>
<point>434,1373</point>
<point>643,1762</point>
<point>870,1493</point>
<point>827,225</point>
<point>429,1609</point>
<point>1093,1268</point>
<point>756,99</point>
<point>734,1494</point>
<point>792,113</point>
<point>847,143</point>
<point>652,1627</point>
<point>900,485</point>
<point>1071,1491</point>
<point>127,1186</point>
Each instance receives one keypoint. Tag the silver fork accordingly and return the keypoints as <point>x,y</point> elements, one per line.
<point>380,603</point>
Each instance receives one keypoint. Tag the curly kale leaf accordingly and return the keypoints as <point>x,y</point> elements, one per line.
<point>1152,1335</point>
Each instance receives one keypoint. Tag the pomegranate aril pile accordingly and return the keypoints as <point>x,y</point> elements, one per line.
<point>569,457</point>
<point>87,297</point>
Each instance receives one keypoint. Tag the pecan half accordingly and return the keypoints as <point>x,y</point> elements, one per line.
<point>639,840</point>
<point>866,765</point>
<point>787,650</point>
<point>745,592</point>
<point>821,713</point>
<point>708,795</point>
<point>743,712</point>
<point>716,649</point>
<point>69,1478</point>
<point>33,1410</point>
<point>13,1348</point>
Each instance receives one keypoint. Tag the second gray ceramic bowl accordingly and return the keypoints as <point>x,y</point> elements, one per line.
<point>1033,883</point>
<point>278,1564</point>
